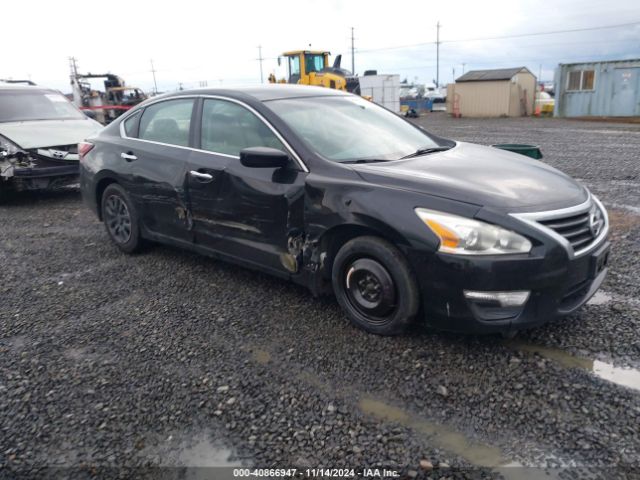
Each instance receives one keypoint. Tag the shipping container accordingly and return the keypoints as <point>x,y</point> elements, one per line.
<point>602,89</point>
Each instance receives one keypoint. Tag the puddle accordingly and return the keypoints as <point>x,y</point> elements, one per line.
<point>16,343</point>
<point>192,456</point>
<point>600,298</point>
<point>202,452</point>
<point>630,208</point>
<point>441,435</point>
<point>261,356</point>
<point>625,376</point>
<point>628,377</point>
<point>624,218</point>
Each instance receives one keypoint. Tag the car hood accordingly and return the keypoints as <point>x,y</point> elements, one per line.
<point>48,133</point>
<point>484,176</point>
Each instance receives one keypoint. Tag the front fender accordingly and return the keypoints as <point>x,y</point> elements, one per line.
<point>386,210</point>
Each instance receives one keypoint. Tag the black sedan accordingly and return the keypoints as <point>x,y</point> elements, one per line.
<point>342,196</point>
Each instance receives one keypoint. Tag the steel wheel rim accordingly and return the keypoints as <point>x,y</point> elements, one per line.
<point>370,290</point>
<point>117,218</point>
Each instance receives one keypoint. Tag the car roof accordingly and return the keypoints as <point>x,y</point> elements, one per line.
<point>263,92</point>
<point>17,86</point>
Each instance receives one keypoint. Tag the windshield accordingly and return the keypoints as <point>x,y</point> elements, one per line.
<point>24,105</point>
<point>313,63</point>
<point>350,128</point>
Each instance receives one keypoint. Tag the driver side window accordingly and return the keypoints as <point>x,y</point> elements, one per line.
<point>228,128</point>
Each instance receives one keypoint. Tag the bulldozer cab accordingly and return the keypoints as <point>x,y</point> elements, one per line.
<point>301,63</point>
<point>308,67</point>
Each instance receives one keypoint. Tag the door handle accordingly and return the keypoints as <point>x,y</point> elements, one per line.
<point>129,157</point>
<point>203,177</point>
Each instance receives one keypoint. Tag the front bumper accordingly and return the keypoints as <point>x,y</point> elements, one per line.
<point>558,286</point>
<point>46,172</point>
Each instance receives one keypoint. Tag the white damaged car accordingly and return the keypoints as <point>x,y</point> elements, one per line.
<point>39,134</point>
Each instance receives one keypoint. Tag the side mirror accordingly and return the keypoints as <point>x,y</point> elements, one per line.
<point>263,157</point>
<point>279,61</point>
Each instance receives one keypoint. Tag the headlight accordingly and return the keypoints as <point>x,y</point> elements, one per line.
<point>598,219</point>
<point>8,148</point>
<point>465,236</point>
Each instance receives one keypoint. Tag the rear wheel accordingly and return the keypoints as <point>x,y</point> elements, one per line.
<point>121,219</point>
<point>375,285</point>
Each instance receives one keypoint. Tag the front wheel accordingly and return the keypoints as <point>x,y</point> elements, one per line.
<point>375,286</point>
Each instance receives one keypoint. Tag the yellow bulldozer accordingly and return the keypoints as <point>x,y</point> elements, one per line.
<point>311,67</point>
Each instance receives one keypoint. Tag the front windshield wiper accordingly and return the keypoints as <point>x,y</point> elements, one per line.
<point>425,151</point>
<point>366,160</point>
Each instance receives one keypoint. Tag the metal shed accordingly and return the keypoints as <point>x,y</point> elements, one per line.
<point>505,92</point>
<point>603,89</point>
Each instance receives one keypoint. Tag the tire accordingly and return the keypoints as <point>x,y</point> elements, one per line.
<point>375,286</point>
<point>7,192</point>
<point>121,219</point>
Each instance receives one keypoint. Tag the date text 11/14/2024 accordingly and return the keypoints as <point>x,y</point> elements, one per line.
<point>316,472</point>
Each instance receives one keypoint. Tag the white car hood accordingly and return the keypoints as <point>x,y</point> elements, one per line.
<point>48,133</point>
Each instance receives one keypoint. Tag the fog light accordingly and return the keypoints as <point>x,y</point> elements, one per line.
<point>503,299</point>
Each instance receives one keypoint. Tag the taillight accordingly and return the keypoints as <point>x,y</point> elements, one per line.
<point>84,148</point>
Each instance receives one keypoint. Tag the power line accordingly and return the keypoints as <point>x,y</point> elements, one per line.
<point>553,32</point>
<point>519,61</point>
<point>520,35</point>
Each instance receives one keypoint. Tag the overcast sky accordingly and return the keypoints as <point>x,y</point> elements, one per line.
<point>216,42</point>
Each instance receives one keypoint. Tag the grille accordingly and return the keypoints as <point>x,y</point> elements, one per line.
<point>578,228</point>
<point>575,228</point>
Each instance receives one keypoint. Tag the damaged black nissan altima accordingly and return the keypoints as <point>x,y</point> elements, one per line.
<point>338,194</point>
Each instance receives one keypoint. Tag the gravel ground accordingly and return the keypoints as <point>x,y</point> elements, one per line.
<point>113,365</point>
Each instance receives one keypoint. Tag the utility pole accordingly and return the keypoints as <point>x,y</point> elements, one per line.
<point>540,74</point>
<point>260,59</point>
<point>463,68</point>
<point>76,89</point>
<point>155,84</point>
<point>353,56</point>
<point>73,68</point>
<point>438,54</point>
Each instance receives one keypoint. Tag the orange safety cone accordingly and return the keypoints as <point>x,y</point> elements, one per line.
<point>537,111</point>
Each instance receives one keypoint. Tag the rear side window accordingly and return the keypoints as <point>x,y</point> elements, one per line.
<point>228,128</point>
<point>131,125</point>
<point>167,122</point>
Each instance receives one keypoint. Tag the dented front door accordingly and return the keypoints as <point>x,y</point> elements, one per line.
<point>247,213</point>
